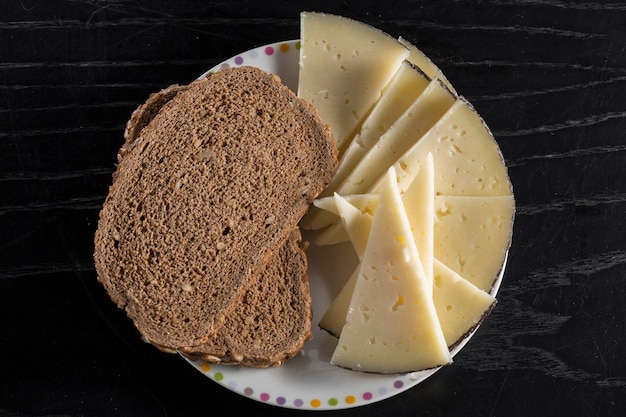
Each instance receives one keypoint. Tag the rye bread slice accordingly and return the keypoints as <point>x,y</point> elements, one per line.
<point>273,320</point>
<point>202,197</point>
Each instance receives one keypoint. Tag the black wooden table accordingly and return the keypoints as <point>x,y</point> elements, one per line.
<point>548,77</point>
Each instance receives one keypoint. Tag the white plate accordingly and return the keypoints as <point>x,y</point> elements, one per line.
<point>280,58</point>
<point>308,381</point>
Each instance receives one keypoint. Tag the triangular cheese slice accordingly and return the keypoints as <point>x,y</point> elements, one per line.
<point>409,128</point>
<point>344,66</point>
<point>473,234</point>
<point>461,306</point>
<point>391,289</point>
<point>356,222</point>
<point>364,202</point>
<point>405,87</point>
<point>336,232</point>
<point>414,122</point>
<point>419,203</point>
<point>357,225</point>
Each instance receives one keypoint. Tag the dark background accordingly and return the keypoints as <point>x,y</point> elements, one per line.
<point>548,77</point>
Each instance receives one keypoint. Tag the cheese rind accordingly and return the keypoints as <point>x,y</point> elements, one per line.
<point>391,325</point>
<point>419,59</point>
<point>341,74</point>
<point>461,306</point>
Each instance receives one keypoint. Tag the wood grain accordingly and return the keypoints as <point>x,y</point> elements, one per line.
<point>549,78</point>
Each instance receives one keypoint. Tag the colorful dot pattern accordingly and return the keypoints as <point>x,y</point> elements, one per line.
<point>313,403</point>
<point>249,57</point>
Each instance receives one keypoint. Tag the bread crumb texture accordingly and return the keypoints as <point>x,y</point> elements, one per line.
<point>203,196</point>
<point>272,322</point>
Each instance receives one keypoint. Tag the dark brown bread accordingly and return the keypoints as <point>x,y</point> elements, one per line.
<point>203,196</point>
<point>144,114</point>
<point>273,320</point>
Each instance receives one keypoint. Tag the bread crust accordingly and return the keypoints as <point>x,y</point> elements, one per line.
<point>204,193</point>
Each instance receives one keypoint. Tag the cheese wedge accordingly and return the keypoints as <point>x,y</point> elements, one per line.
<point>466,155</point>
<point>357,226</point>
<point>344,66</point>
<point>418,58</point>
<point>473,234</point>
<point>356,223</point>
<point>392,324</point>
<point>404,88</point>
<point>461,306</point>
<point>418,118</point>
<point>336,232</point>
<point>415,122</point>
<point>431,105</point>
<point>364,202</point>
<point>419,203</point>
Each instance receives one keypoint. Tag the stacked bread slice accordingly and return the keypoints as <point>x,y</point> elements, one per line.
<point>197,238</point>
<point>416,147</point>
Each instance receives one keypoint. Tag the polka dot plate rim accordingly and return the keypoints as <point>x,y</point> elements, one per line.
<point>309,381</point>
<point>280,58</point>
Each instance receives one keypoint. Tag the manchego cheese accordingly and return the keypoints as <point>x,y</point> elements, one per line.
<point>391,325</point>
